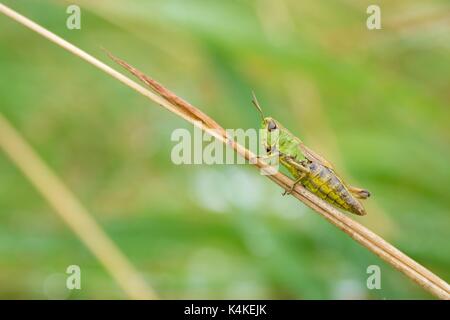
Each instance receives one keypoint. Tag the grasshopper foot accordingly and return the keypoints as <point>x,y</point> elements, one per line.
<point>288,192</point>
<point>291,189</point>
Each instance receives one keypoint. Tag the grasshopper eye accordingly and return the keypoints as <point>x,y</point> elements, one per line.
<point>271,125</point>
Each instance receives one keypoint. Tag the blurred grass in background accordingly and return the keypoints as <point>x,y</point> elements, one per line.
<point>376,103</point>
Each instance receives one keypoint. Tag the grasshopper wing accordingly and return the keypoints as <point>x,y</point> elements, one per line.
<point>313,156</point>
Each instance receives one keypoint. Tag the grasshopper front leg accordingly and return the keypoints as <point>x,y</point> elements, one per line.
<point>265,158</point>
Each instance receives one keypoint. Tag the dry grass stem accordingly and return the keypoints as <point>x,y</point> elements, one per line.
<point>425,278</point>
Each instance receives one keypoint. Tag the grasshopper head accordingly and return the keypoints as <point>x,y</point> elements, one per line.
<point>270,124</point>
<point>270,128</point>
<point>270,134</point>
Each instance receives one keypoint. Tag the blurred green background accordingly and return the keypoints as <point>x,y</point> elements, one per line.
<point>375,103</point>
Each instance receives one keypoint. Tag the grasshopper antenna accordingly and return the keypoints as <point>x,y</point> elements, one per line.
<point>256,104</point>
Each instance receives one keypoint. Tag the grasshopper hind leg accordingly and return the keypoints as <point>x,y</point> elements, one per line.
<point>291,189</point>
<point>359,192</point>
<point>299,168</point>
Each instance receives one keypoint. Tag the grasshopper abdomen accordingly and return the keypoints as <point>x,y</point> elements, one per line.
<point>324,182</point>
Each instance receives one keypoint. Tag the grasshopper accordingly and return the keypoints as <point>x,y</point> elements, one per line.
<point>309,168</point>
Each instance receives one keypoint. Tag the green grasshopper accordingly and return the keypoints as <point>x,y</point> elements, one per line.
<point>308,168</point>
